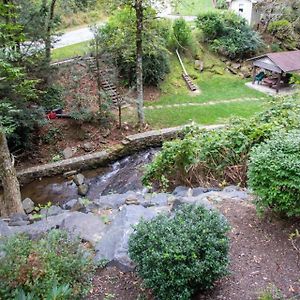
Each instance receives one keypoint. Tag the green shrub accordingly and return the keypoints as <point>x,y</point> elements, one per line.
<point>182,33</point>
<point>221,4</point>
<point>282,30</point>
<point>229,34</point>
<point>274,169</point>
<point>53,265</point>
<point>52,98</point>
<point>178,255</point>
<point>220,156</point>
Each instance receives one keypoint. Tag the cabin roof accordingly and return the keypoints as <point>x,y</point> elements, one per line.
<point>288,61</point>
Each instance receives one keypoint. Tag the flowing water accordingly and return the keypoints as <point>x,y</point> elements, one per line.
<point>120,177</point>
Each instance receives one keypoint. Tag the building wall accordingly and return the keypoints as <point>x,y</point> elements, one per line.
<point>246,6</point>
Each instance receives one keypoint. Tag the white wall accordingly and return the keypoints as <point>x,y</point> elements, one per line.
<point>247,7</point>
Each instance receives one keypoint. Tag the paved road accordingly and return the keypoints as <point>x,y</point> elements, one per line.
<point>85,34</point>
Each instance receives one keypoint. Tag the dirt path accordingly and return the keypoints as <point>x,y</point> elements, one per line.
<point>261,256</point>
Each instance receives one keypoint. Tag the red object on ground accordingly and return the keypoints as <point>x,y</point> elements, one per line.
<point>51,115</point>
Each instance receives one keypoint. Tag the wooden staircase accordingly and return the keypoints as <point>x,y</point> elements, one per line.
<point>109,88</point>
<point>189,82</point>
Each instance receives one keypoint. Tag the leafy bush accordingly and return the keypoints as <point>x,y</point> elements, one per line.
<point>282,30</point>
<point>221,4</point>
<point>182,33</point>
<point>178,255</point>
<point>229,34</point>
<point>274,169</point>
<point>220,156</point>
<point>52,98</point>
<point>53,265</point>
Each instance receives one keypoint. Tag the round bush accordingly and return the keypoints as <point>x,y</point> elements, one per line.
<point>178,255</point>
<point>274,173</point>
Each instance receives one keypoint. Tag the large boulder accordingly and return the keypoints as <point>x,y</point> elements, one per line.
<point>83,189</point>
<point>28,205</point>
<point>79,179</point>
<point>182,191</point>
<point>39,228</point>
<point>117,200</point>
<point>18,219</point>
<point>114,245</point>
<point>88,227</point>
<point>5,230</point>
<point>51,211</point>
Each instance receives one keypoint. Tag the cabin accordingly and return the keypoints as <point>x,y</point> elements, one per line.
<point>247,9</point>
<point>275,69</point>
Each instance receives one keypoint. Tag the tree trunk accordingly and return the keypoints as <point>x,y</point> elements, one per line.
<point>48,34</point>
<point>139,61</point>
<point>11,201</point>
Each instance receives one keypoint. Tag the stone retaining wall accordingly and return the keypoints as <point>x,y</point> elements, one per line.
<point>131,144</point>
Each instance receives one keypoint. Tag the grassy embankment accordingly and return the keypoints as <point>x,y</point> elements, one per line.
<point>213,104</point>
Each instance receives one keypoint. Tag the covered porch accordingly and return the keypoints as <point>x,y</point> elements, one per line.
<point>274,70</point>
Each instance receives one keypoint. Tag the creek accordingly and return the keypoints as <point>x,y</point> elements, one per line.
<point>120,177</point>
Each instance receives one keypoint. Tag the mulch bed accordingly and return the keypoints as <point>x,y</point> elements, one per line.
<point>261,256</point>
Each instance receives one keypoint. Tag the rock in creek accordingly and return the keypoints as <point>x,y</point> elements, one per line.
<point>79,179</point>
<point>28,205</point>
<point>83,189</point>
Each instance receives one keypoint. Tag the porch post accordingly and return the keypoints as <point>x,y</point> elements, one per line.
<point>278,82</point>
<point>253,74</point>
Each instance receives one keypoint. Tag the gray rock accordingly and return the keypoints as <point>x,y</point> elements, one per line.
<point>113,201</point>
<point>83,189</point>
<point>18,223</point>
<point>18,219</point>
<point>203,201</point>
<point>51,211</point>
<point>79,179</point>
<point>88,227</point>
<point>199,191</point>
<point>70,174</point>
<point>160,199</point>
<point>199,65</point>
<point>28,205</point>
<point>132,199</point>
<point>182,191</point>
<point>69,152</point>
<point>5,231</point>
<point>231,188</point>
<point>69,205</point>
<point>114,244</point>
<point>87,147</point>
<point>37,229</point>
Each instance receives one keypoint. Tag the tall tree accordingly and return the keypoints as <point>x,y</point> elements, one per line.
<point>139,7</point>
<point>14,86</point>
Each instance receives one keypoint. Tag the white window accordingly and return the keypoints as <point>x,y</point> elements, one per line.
<point>241,7</point>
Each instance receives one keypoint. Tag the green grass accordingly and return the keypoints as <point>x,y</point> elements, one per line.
<point>70,51</point>
<point>213,87</point>
<point>193,7</point>
<point>218,113</point>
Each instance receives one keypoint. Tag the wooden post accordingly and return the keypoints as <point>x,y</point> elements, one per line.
<point>254,74</point>
<point>278,82</point>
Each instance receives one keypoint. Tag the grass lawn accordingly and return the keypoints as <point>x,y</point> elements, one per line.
<point>192,7</point>
<point>218,113</point>
<point>214,87</point>
<point>70,51</point>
